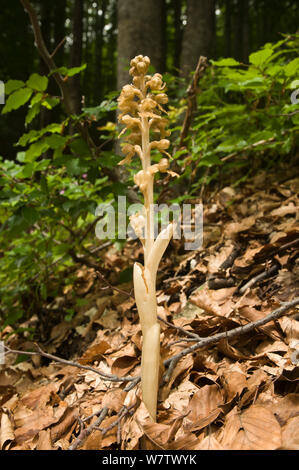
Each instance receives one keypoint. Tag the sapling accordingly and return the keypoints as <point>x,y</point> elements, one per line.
<point>141,111</point>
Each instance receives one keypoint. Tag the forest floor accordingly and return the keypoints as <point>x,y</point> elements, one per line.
<point>238,392</point>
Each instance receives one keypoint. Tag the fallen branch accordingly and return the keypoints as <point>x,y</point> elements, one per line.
<point>240,330</point>
<point>259,277</point>
<point>86,432</point>
<point>40,352</point>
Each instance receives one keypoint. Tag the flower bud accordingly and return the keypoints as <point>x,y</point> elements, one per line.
<point>161,98</point>
<point>163,164</point>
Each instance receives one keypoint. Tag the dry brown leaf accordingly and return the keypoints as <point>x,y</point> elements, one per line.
<point>29,423</point>
<point>234,380</point>
<point>114,399</point>
<point>65,423</point>
<point>39,397</point>
<point>44,440</point>
<point>253,429</point>
<point>290,434</point>
<point>215,261</point>
<point>233,228</point>
<point>203,408</point>
<point>179,398</point>
<point>210,443</point>
<point>217,302</point>
<point>109,319</point>
<point>94,352</point>
<point>122,365</point>
<point>7,435</point>
<point>182,367</point>
<point>93,441</point>
<point>188,442</point>
<point>286,408</point>
<point>285,210</point>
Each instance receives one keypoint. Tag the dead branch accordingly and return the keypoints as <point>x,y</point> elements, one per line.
<point>259,277</point>
<point>240,330</point>
<point>40,352</point>
<point>87,431</point>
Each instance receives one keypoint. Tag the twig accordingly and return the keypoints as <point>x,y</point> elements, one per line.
<point>240,330</point>
<point>179,328</point>
<point>113,287</point>
<point>86,432</point>
<point>40,352</point>
<point>121,414</point>
<point>59,45</point>
<point>259,277</point>
<point>248,147</point>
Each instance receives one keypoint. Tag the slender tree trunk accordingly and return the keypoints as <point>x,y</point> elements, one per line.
<point>59,29</point>
<point>178,33</point>
<point>45,25</point>
<point>99,24</point>
<point>228,28</point>
<point>238,30</point>
<point>246,31</point>
<point>76,53</point>
<point>139,32</point>
<point>198,33</point>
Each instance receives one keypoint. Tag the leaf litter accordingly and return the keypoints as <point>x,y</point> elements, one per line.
<point>240,393</point>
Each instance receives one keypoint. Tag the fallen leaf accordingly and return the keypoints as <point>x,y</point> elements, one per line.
<point>210,443</point>
<point>253,429</point>
<point>203,408</point>
<point>7,435</point>
<point>290,434</point>
<point>44,440</point>
<point>122,365</point>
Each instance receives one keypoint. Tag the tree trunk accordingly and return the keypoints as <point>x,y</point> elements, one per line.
<point>99,24</point>
<point>76,54</point>
<point>198,34</point>
<point>59,29</point>
<point>178,33</point>
<point>139,32</point>
<point>228,28</point>
<point>45,26</point>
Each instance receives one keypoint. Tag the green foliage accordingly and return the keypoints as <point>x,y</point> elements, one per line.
<point>48,200</point>
<point>245,119</point>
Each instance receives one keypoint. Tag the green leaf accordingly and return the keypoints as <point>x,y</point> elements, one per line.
<point>17,99</point>
<point>21,156</point>
<point>49,102</point>
<point>260,57</point>
<point>292,68</point>
<point>55,141</point>
<point>35,150</point>
<point>227,62</point>
<point>70,72</point>
<point>33,111</point>
<point>37,82</point>
<point>28,170</point>
<point>209,161</point>
<point>13,85</point>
